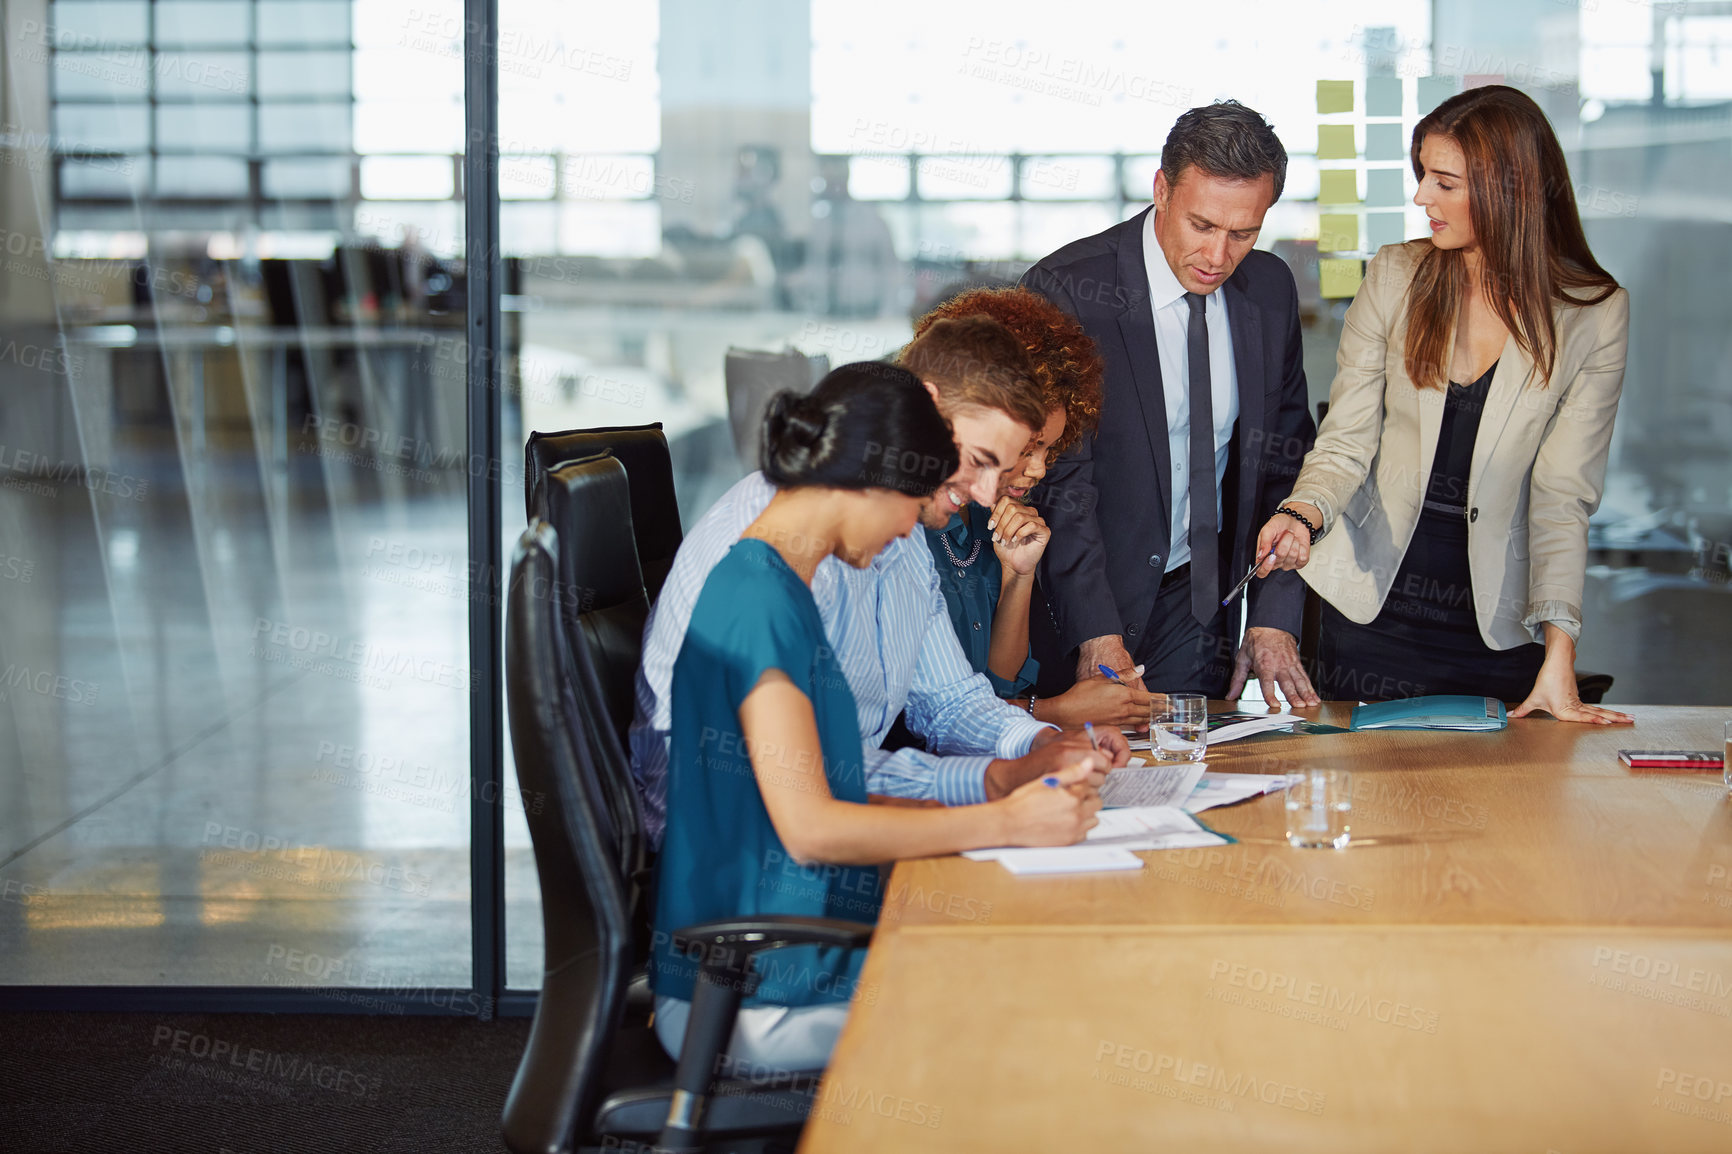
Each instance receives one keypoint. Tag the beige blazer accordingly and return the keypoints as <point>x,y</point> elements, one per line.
<point>1538,462</point>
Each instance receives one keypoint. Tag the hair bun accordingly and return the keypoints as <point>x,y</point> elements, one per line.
<point>793,428</point>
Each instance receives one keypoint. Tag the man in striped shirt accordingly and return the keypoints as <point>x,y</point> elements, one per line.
<point>888,622</point>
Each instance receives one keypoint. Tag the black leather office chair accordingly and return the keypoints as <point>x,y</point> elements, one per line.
<point>585,1076</point>
<point>1592,687</point>
<point>643,450</point>
<point>588,504</point>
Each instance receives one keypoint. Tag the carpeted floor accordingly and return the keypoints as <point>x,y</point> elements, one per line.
<point>250,1084</point>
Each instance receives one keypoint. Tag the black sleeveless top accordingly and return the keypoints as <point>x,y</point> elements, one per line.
<point>1431,600</point>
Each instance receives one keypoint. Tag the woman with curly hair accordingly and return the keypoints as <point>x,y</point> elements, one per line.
<point>990,593</point>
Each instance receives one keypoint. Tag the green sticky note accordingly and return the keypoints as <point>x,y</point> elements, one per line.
<point>1383,96</point>
<point>1383,188</point>
<point>1338,279</point>
<point>1338,232</point>
<point>1434,90</point>
<point>1337,186</point>
<point>1384,142</point>
<point>1335,142</point>
<point>1334,96</point>
<point>1383,228</point>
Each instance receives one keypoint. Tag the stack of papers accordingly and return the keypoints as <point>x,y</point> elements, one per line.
<point>1215,789</point>
<point>1233,730</point>
<point>1253,726</point>
<point>1188,786</point>
<point>1154,827</point>
<point>1142,784</point>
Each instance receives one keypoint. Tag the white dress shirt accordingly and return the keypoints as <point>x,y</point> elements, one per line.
<point>1172,328</point>
<point>896,646</point>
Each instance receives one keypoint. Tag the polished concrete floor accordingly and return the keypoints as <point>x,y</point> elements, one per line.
<point>234,718</point>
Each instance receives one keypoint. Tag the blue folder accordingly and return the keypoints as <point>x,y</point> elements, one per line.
<point>1438,712</point>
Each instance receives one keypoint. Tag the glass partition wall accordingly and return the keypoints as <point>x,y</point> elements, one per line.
<point>234,662</point>
<point>241,556</point>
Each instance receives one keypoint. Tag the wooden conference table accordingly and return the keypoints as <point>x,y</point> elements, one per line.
<point>1526,947</point>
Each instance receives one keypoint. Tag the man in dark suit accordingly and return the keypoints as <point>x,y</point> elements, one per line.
<point>1203,427</point>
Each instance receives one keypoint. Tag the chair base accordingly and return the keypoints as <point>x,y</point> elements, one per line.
<point>640,1084</point>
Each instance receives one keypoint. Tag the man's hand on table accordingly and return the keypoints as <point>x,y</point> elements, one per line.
<point>1110,652</point>
<point>1272,655</point>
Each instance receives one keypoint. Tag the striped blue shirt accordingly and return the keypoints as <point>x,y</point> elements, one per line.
<point>896,646</point>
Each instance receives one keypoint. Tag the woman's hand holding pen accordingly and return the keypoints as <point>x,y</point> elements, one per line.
<point>1057,809</point>
<point>1105,701</point>
<point>1287,539</point>
<point>1019,535</point>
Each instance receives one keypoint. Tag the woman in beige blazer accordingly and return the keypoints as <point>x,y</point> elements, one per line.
<point>1443,514</point>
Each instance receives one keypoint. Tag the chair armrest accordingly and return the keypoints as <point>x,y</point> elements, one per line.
<point>729,943</point>
<point>725,976</point>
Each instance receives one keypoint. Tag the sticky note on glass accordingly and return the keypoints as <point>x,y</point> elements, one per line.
<point>1383,96</point>
<point>1339,278</point>
<point>1383,228</point>
<point>1384,142</point>
<point>1338,232</point>
<point>1337,186</point>
<point>1434,90</point>
<point>1383,188</point>
<point>1335,142</point>
<point>1334,96</point>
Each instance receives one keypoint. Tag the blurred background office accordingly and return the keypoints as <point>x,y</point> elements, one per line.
<point>234,564</point>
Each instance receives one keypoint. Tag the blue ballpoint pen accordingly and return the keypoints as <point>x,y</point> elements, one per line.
<point>1089,728</point>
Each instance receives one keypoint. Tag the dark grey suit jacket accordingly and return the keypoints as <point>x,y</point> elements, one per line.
<point>1108,500</point>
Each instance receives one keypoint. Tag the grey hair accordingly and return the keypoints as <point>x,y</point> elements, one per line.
<point>1227,140</point>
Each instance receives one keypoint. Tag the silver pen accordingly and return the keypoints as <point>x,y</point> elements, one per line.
<point>1245,580</point>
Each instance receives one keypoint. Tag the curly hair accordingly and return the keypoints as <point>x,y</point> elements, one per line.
<point>1067,367</point>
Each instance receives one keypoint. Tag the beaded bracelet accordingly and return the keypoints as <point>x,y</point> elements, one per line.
<point>1315,530</point>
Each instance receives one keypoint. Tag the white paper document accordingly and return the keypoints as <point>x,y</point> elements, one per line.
<point>1139,784</point>
<point>1149,827</point>
<point>1068,859</point>
<point>1215,789</point>
<point>1256,725</point>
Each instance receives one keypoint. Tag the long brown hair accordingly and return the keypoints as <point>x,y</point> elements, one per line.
<point>1533,253</point>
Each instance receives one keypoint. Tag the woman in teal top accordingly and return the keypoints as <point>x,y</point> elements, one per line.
<point>767,808</point>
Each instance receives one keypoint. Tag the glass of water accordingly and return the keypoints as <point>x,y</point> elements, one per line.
<point>1319,804</point>
<point>1726,759</point>
<point>1179,726</point>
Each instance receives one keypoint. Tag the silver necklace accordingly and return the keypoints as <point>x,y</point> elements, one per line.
<point>961,565</point>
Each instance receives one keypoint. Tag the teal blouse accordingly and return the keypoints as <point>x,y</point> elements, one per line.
<point>721,857</point>
<point>971,592</point>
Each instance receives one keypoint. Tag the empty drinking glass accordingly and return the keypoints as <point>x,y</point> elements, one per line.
<point>1319,803</point>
